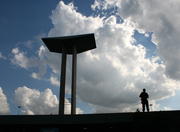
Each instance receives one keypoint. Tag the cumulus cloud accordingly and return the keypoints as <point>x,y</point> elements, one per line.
<point>162,19</point>
<point>54,81</point>
<point>33,101</point>
<point>22,60</point>
<point>112,76</point>
<point>69,15</point>
<point>4,106</point>
<point>2,57</point>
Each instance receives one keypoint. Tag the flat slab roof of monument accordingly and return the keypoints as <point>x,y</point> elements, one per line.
<point>82,43</point>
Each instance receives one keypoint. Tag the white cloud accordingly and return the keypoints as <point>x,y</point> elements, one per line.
<point>2,57</point>
<point>112,76</point>
<point>167,108</point>
<point>68,108</point>
<point>54,80</point>
<point>72,19</point>
<point>22,60</point>
<point>35,75</point>
<point>161,18</point>
<point>104,4</point>
<point>4,106</point>
<point>32,101</point>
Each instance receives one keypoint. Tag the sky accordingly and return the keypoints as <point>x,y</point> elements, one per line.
<point>137,47</point>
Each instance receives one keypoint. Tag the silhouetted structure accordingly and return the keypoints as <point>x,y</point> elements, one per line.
<point>159,121</point>
<point>69,45</point>
<point>144,100</point>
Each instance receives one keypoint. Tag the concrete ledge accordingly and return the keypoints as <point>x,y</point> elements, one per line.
<point>161,121</point>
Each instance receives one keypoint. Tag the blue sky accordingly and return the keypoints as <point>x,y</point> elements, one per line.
<point>20,21</point>
<point>23,23</point>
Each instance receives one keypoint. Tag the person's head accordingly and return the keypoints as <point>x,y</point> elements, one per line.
<point>144,90</point>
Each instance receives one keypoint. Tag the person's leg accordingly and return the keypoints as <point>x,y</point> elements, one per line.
<point>143,107</point>
<point>147,106</point>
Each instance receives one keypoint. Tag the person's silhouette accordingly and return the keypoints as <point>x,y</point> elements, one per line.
<point>144,100</point>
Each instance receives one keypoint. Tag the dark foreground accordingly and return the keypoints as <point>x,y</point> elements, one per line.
<point>168,121</point>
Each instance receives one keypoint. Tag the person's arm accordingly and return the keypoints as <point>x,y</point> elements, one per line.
<point>140,95</point>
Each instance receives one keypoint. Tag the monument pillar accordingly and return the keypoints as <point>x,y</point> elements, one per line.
<point>73,92</point>
<point>62,84</point>
<point>72,45</point>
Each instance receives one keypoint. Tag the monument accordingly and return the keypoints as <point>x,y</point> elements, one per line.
<point>69,45</point>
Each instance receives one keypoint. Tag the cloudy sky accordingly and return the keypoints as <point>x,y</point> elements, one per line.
<point>138,47</point>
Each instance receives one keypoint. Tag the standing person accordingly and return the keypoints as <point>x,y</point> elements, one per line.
<point>144,100</point>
